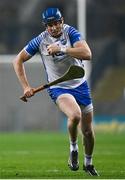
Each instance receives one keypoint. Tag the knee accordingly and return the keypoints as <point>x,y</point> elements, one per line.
<point>75,117</point>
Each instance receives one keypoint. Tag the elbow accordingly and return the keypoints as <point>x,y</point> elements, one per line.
<point>15,63</point>
<point>87,55</point>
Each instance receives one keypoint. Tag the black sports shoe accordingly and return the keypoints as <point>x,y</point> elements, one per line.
<point>90,170</point>
<point>73,162</point>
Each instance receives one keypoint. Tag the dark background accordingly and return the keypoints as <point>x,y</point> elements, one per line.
<point>20,21</point>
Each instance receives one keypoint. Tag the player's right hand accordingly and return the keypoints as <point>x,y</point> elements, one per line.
<point>28,92</point>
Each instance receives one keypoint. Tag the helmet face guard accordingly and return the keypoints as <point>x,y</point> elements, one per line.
<point>51,15</point>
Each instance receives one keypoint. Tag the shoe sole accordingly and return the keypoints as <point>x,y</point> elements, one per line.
<point>88,172</point>
<point>72,168</point>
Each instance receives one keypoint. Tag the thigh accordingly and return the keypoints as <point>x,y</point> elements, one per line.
<point>68,105</point>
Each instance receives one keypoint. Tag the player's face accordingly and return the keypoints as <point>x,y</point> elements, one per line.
<point>55,28</point>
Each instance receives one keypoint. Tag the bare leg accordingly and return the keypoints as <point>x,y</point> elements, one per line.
<point>69,106</point>
<point>88,138</point>
<point>88,133</point>
<point>71,109</point>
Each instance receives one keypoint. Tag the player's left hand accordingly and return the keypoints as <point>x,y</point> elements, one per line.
<point>53,48</point>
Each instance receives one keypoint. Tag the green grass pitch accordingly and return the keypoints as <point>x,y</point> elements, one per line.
<point>44,156</point>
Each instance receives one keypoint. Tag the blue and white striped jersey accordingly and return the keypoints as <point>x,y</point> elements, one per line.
<point>58,64</point>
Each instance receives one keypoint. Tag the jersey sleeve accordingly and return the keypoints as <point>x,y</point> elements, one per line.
<point>74,35</point>
<point>33,46</point>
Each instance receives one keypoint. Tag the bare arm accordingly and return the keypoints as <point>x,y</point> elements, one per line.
<point>20,72</point>
<point>80,50</point>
